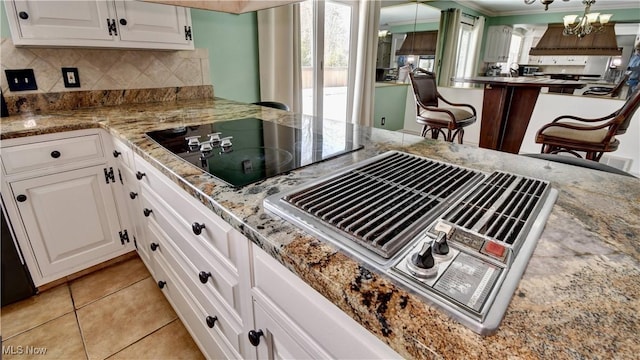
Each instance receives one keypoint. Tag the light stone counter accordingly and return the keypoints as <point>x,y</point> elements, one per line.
<point>579,297</point>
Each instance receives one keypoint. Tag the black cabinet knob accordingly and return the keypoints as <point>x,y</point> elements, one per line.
<point>254,337</point>
<point>204,276</point>
<point>55,154</point>
<point>140,175</point>
<point>23,15</point>
<point>116,153</point>
<point>133,195</point>
<point>161,284</point>
<point>123,22</point>
<point>21,198</point>
<point>147,212</point>
<point>211,321</point>
<point>197,228</point>
<point>154,246</point>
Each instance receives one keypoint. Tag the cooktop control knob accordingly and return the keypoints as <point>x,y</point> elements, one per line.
<point>422,263</point>
<point>440,245</point>
<point>214,139</point>
<point>206,146</point>
<point>193,142</point>
<point>226,145</point>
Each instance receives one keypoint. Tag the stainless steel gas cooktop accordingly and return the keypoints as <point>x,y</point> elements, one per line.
<point>458,237</point>
<point>243,151</point>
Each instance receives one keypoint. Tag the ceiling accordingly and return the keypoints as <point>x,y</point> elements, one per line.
<point>398,12</point>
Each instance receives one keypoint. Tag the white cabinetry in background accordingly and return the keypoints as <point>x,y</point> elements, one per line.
<point>62,197</point>
<point>498,43</point>
<point>100,23</point>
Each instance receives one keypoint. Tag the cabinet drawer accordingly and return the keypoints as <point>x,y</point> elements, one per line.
<point>167,257</point>
<point>194,317</point>
<point>51,153</point>
<point>123,154</point>
<point>188,210</point>
<point>192,256</point>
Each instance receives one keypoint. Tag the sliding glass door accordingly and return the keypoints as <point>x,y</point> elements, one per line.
<point>328,42</point>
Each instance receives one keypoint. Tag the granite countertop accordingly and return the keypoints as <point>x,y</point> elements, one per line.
<point>579,297</point>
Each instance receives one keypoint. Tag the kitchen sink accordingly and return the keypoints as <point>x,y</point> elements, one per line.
<point>458,237</point>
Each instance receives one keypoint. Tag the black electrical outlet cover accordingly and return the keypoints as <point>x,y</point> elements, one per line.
<point>70,77</point>
<point>21,80</point>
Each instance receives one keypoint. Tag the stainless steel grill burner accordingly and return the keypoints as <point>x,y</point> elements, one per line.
<point>458,237</point>
<point>387,201</point>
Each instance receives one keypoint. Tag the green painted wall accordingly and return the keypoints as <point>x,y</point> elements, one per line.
<point>4,25</point>
<point>232,41</point>
<point>390,102</point>
<point>410,28</point>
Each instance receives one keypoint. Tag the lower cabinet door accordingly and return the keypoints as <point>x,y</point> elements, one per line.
<point>70,219</point>
<point>276,342</point>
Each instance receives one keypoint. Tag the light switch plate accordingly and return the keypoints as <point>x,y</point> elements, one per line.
<point>70,77</point>
<point>21,80</point>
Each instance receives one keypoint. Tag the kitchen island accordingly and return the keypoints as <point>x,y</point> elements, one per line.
<point>579,297</point>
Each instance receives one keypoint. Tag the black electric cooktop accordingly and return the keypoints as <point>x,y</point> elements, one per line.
<point>244,151</point>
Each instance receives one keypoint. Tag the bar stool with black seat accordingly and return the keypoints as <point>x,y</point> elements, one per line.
<point>273,104</point>
<point>434,118</point>
<point>607,91</point>
<point>592,136</point>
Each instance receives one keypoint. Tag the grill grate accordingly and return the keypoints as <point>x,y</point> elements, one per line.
<point>500,207</point>
<point>383,204</point>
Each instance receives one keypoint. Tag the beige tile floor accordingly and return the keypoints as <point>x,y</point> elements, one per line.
<point>115,313</point>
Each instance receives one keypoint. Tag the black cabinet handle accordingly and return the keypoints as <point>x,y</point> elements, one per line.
<point>55,154</point>
<point>154,246</point>
<point>140,175</point>
<point>23,15</point>
<point>197,228</point>
<point>116,153</point>
<point>123,22</point>
<point>211,321</point>
<point>161,284</point>
<point>204,276</point>
<point>133,195</point>
<point>254,337</point>
<point>147,212</point>
<point>21,198</point>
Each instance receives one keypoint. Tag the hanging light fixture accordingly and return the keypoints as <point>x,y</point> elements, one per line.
<point>546,3</point>
<point>587,24</point>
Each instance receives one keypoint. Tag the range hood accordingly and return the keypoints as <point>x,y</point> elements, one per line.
<point>553,42</point>
<point>233,7</point>
<point>419,43</point>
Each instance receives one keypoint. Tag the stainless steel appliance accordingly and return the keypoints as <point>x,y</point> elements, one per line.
<point>526,70</point>
<point>243,151</point>
<point>458,237</point>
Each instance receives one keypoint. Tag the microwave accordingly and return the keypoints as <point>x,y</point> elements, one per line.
<point>525,70</point>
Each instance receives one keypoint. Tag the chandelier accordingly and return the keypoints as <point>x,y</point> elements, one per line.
<point>587,24</point>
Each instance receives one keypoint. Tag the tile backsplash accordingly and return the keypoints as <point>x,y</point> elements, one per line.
<point>106,69</point>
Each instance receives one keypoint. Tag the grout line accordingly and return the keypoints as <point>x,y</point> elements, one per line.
<point>142,338</point>
<point>111,293</point>
<point>75,313</point>
<point>46,322</point>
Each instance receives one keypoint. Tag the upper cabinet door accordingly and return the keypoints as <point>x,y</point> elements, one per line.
<point>62,19</point>
<point>97,23</point>
<point>146,22</point>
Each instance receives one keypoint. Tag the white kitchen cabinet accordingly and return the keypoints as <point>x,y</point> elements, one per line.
<point>131,200</point>
<point>70,219</point>
<point>209,270</point>
<point>498,43</point>
<point>297,321</point>
<point>99,23</point>
<point>63,202</point>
